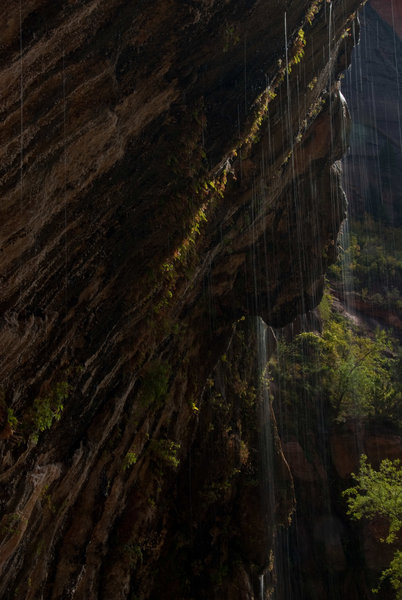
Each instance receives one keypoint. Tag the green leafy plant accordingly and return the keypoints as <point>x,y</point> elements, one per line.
<point>47,499</point>
<point>129,460</point>
<point>373,256</point>
<point>312,83</point>
<point>231,37</point>
<point>11,524</point>
<point>166,451</point>
<point>298,49</point>
<point>358,374</point>
<point>47,409</point>
<point>12,419</point>
<point>133,552</point>
<point>313,10</point>
<point>379,493</point>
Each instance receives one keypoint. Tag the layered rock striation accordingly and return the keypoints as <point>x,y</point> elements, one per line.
<point>167,168</point>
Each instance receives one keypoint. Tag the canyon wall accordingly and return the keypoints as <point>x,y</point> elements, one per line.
<point>169,172</point>
<point>373,88</point>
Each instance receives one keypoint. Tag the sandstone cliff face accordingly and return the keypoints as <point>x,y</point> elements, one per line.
<point>373,177</point>
<point>372,166</point>
<point>167,168</point>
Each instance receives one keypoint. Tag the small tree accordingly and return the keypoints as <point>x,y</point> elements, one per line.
<point>357,374</point>
<point>379,493</point>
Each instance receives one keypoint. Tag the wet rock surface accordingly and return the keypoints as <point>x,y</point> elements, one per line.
<point>373,177</point>
<point>154,191</point>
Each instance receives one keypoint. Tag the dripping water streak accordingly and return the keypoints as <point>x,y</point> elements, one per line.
<point>288,93</point>
<point>21,111</point>
<point>397,74</point>
<point>266,437</point>
<point>245,75</point>
<point>21,120</point>
<point>65,190</point>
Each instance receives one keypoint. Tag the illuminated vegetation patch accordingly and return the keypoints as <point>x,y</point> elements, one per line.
<point>313,11</point>
<point>47,409</point>
<point>379,493</point>
<point>374,264</point>
<point>358,375</point>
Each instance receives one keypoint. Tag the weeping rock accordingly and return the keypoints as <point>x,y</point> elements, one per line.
<point>168,168</point>
<point>373,177</point>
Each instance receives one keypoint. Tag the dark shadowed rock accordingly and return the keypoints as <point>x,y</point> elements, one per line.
<point>373,88</point>
<point>167,168</point>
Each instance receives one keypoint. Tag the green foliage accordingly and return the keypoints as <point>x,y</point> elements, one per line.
<point>298,49</point>
<point>325,306</point>
<point>10,524</point>
<point>129,460</point>
<point>194,407</point>
<point>47,498</point>
<point>313,10</point>
<point>374,258</point>
<point>312,83</point>
<point>47,409</point>
<point>315,108</point>
<point>356,373</point>
<point>380,493</point>
<point>394,574</point>
<point>155,383</point>
<point>166,452</point>
<point>231,37</point>
<point>12,419</point>
<point>133,553</point>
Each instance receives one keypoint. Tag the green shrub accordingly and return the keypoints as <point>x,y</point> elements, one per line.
<point>12,419</point>
<point>359,375</point>
<point>10,524</point>
<point>129,460</point>
<point>166,452</point>
<point>373,259</point>
<point>380,493</point>
<point>47,409</point>
<point>133,552</point>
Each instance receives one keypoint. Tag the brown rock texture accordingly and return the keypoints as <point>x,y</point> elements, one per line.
<point>167,168</point>
<point>390,12</point>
